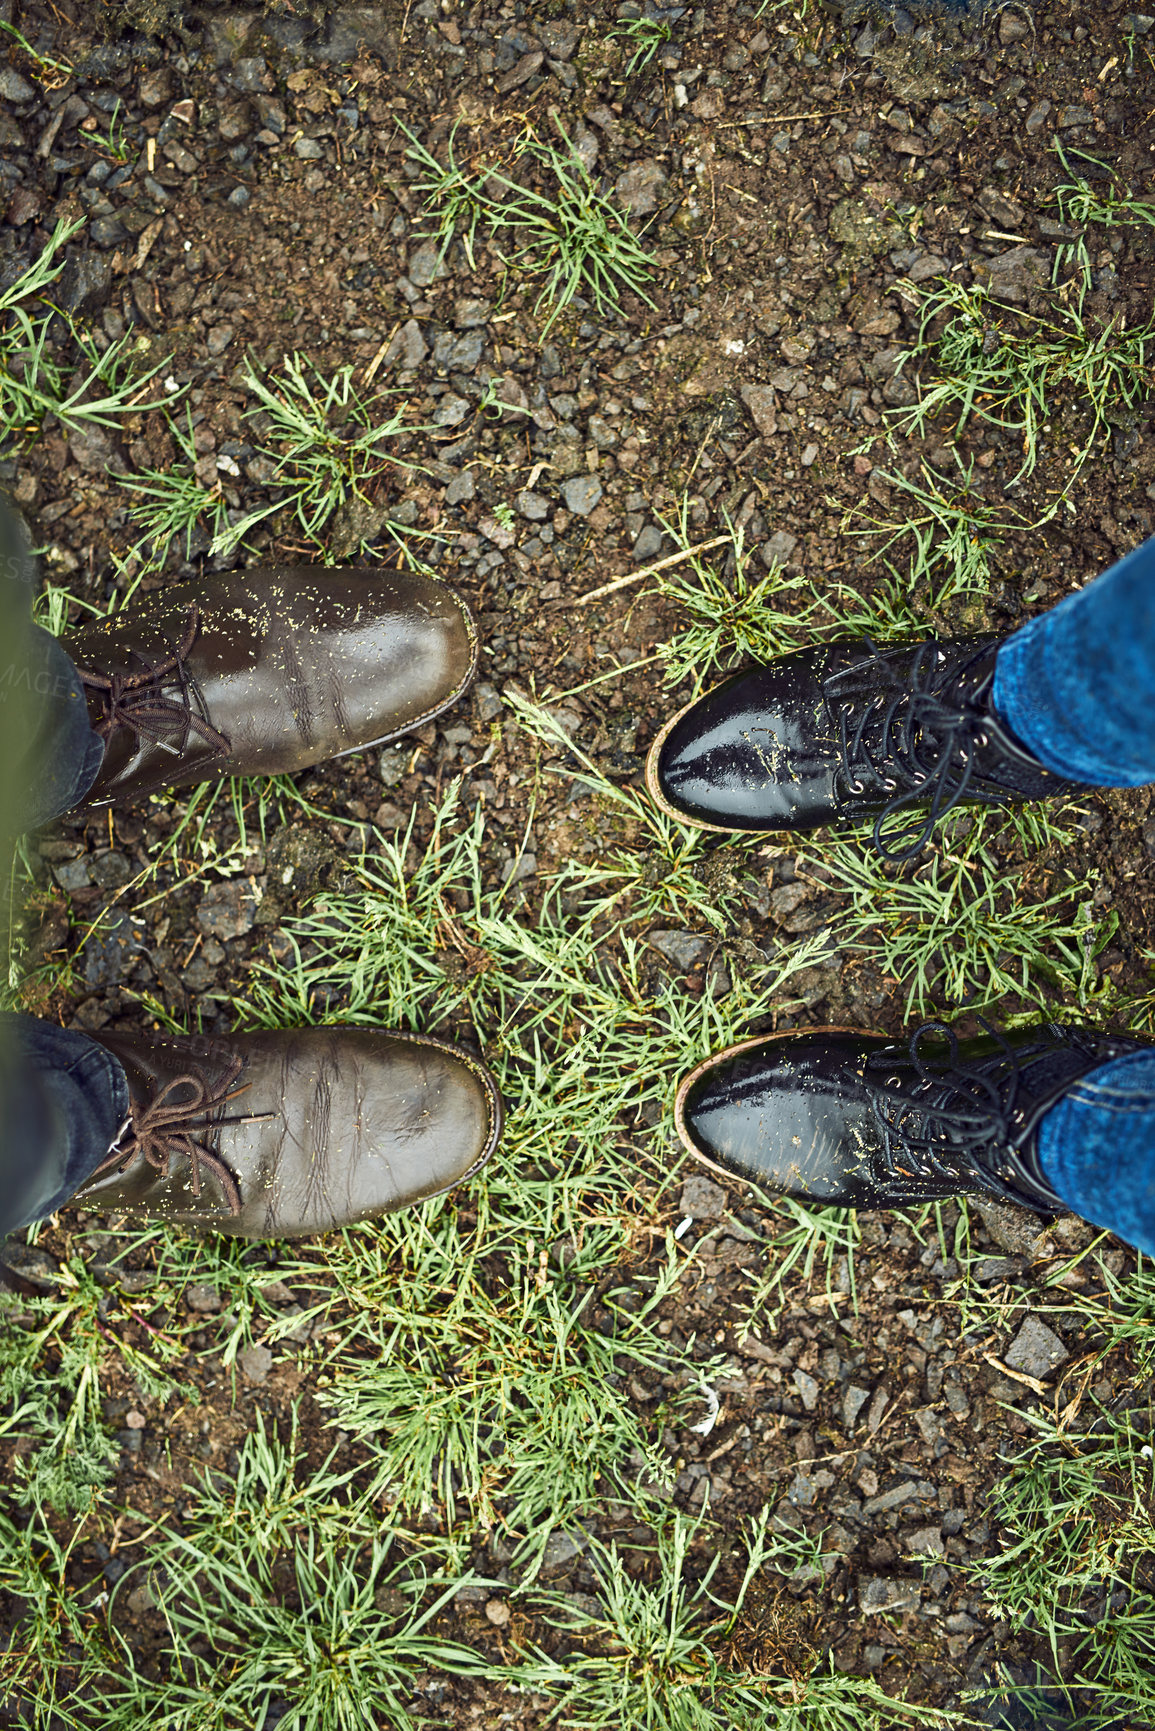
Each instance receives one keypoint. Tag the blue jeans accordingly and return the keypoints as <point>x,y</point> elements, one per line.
<point>1077,686</point>
<point>1097,1147</point>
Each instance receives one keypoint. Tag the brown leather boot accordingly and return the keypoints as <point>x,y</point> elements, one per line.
<point>266,672</point>
<point>276,1135</point>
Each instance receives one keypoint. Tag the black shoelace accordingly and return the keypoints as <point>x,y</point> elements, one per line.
<point>166,1127</point>
<point>139,701</point>
<point>955,1115</point>
<point>923,735</point>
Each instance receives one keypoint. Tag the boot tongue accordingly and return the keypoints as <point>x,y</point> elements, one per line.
<point>174,1119</point>
<point>150,712</point>
<point>1044,1079</point>
<point>149,1065</point>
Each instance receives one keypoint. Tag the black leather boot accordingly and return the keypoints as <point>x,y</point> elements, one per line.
<point>837,1116</point>
<point>843,733</point>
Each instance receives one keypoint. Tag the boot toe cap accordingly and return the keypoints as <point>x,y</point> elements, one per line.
<point>398,651</point>
<point>432,649</point>
<point>369,1123</point>
<point>431,1122</point>
<point>749,755</point>
<point>762,1113</point>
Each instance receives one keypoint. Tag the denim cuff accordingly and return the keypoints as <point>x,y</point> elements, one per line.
<point>64,1099</point>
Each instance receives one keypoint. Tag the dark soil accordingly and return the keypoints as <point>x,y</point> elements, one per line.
<point>798,172</point>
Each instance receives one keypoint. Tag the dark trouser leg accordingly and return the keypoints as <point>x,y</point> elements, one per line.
<point>64,1100</point>
<point>49,755</point>
<point>61,754</point>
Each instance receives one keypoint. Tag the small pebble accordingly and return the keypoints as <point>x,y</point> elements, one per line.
<point>581,494</point>
<point>648,544</point>
<point>1036,1349</point>
<point>256,1362</point>
<point>14,88</point>
<point>533,506</point>
<point>701,1199</point>
<point>426,265</point>
<point>1013,27</point>
<point>468,313</point>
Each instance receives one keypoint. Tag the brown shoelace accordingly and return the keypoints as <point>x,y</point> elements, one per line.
<point>138,700</point>
<point>164,1128</point>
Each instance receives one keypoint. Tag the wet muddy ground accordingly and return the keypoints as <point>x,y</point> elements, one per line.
<point>789,172</point>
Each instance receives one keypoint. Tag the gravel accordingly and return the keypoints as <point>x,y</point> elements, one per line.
<point>228,910</point>
<point>1036,1349</point>
<point>879,1593</point>
<point>683,949</point>
<point>756,393</point>
<point>14,88</point>
<point>255,1362</point>
<point>581,494</point>
<point>701,1199</point>
<point>426,265</point>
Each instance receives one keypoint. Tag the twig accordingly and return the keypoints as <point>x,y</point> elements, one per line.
<point>614,672</point>
<point>1017,1375</point>
<point>780,119</point>
<point>648,570</point>
<point>711,430</point>
<point>371,369</point>
<point>404,28</point>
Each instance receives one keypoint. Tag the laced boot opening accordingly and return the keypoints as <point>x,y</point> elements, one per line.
<point>139,701</point>
<point>167,1127</point>
<point>943,1119</point>
<point>918,744</point>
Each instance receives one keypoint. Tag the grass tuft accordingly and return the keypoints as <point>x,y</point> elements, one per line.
<point>287,1601</point>
<point>325,442</point>
<point>1077,1509</point>
<point>662,1653</point>
<point>570,233</point>
<point>170,504</point>
<point>950,534</point>
<point>96,390</point>
<point>951,932</point>
<point>646,35</point>
<point>1017,370</point>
